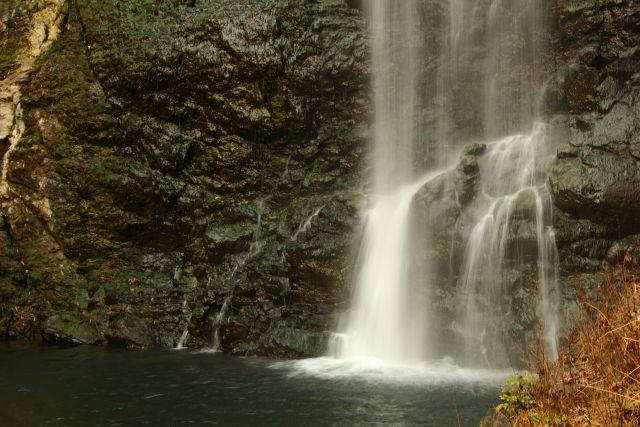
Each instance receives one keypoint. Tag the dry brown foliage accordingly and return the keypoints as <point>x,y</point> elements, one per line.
<point>596,380</point>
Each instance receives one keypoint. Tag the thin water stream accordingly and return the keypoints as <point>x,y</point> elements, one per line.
<point>512,189</point>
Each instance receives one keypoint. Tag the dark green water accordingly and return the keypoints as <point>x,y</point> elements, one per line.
<point>87,386</point>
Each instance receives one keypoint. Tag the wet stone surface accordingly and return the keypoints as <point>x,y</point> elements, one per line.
<point>172,157</point>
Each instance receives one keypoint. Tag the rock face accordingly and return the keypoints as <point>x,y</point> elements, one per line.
<point>177,155</point>
<point>594,95</point>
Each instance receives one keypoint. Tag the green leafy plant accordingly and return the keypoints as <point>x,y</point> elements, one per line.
<point>517,394</point>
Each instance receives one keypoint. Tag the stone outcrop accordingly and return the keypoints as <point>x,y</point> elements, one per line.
<point>176,155</point>
<point>594,96</point>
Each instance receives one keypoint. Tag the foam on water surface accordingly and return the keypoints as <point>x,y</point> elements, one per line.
<point>438,373</point>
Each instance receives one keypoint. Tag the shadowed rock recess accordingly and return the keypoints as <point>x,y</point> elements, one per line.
<point>198,165</point>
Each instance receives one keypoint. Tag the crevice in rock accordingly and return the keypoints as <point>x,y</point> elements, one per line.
<point>73,8</point>
<point>7,228</point>
<point>52,18</point>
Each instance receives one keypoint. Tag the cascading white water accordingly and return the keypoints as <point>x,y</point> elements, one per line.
<point>492,44</point>
<point>382,323</point>
<point>513,175</point>
<point>183,339</point>
<point>218,321</point>
<point>386,323</point>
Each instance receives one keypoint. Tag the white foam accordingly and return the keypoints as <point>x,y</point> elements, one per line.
<point>442,372</point>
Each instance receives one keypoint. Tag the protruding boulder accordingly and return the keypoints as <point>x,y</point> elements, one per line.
<point>468,173</point>
<point>72,329</point>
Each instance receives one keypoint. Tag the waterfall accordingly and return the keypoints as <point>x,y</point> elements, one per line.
<point>513,173</point>
<point>306,224</point>
<point>218,321</point>
<point>394,26</point>
<point>183,339</point>
<point>512,188</point>
<point>386,322</point>
<point>256,245</point>
<point>514,31</point>
<point>480,87</point>
<point>382,323</point>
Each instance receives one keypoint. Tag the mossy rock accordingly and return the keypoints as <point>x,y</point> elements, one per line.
<point>71,329</point>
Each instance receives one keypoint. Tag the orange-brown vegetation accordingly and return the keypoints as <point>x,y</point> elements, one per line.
<point>596,380</point>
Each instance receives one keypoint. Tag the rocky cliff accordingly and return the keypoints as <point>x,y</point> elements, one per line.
<point>593,97</point>
<point>163,158</point>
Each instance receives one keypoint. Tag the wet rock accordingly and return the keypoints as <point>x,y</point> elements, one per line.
<point>153,180</point>
<point>296,343</point>
<point>131,332</point>
<point>72,329</point>
<point>156,180</point>
<point>596,173</point>
<point>600,186</point>
<point>593,96</point>
<point>625,252</point>
<point>594,182</point>
<point>469,173</point>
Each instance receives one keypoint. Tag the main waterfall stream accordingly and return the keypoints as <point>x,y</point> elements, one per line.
<point>390,326</point>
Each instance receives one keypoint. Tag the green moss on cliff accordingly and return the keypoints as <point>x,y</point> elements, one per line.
<point>12,39</point>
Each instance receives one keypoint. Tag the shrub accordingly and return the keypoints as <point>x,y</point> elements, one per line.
<point>516,394</point>
<point>596,380</point>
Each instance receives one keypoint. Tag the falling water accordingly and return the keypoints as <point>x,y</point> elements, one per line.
<point>513,173</point>
<point>386,322</point>
<point>183,338</point>
<point>381,322</point>
<point>485,86</point>
<point>494,43</point>
<point>218,321</point>
<point>513,189</point>
<point>395,29</point>
<point>306,224</point>
<point>511,66</point>
<point>256,245</point>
